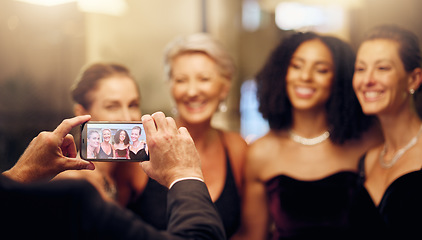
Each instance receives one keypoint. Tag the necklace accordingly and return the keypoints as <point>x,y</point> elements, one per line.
<point>399,152</point>
<point>309,141</point>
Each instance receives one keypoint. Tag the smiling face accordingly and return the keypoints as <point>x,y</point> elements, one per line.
<point>380,80</point>
<point>106,135</point>
<point>310,76</point>
<point>94,140</point>
<point>197,87</point>
<point>122,136</point>
<point>134,135</point>
<point>115,99</point>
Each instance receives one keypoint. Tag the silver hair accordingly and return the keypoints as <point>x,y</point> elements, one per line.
<point>202,43</point>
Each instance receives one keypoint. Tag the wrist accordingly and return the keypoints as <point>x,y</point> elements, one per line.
<point>185,178</point>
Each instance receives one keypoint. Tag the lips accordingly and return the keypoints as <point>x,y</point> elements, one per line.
<point>304,91</point>
<point>372,95</point>
<point>195,106</point>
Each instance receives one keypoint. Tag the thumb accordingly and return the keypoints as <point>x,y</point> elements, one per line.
<point>78,164</point>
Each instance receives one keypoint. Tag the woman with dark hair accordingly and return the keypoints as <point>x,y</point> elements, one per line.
<point>303,174</point>
<point>107,92</point>
<point>387,81</point>
<point>121,144</point>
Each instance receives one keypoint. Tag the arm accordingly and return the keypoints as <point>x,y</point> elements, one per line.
<point>255,214</point>
<point>191,216</point>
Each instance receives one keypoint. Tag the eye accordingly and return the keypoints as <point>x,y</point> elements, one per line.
<point>179,80</point>
<point>359,69</point>
<point>384,68</point>
<point>295,65</point>
<point>323,70</point>
<point>205,79</point>
<point>134,105</point>
<point>112,107</point>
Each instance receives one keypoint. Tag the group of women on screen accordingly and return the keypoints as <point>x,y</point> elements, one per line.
<point>341,159</point>
<point>122,147</point>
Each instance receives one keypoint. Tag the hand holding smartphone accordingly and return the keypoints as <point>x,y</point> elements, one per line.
<point>113,141</point>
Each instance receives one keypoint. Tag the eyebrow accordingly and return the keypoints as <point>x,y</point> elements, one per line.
<point>377,61</point>
<point>316,62</point>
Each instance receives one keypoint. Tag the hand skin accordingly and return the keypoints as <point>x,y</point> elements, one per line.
<point>172,151</point>
<point>50,153</point>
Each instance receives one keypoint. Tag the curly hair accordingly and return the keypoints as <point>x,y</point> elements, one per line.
<point>345,117</point>
<point>117,137</point>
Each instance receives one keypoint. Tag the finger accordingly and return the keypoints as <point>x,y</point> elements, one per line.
<point>146,166</point>
<point>149,125</point>
<point>78,164</point>
<point>160,120</point>
<point>171,124</point>
<point>68,147</point>
<point>184,131</point>
<point>64,128</point>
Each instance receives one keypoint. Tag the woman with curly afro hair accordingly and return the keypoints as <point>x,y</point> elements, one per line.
<point>303,174</point>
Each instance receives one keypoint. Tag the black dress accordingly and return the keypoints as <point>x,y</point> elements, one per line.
<point>335,207</point>
<point>401,206</point>
<point>140,155</point>
<point>150,205</point>
<point>103,155</point>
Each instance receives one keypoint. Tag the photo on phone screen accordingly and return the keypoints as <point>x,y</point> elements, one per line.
<point>113,141</point>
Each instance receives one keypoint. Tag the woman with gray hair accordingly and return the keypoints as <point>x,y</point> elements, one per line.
<point>199,73</point>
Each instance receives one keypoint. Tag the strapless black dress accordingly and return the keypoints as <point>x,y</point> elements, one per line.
<point>140,155</point>
<point>335,207</point>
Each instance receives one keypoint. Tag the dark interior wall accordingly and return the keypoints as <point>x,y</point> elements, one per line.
<point>405,13</point>
<point>41,52</point>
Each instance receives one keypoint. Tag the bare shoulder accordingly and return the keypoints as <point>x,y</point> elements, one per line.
<point>235,142</point>
<point>237,148</point>
<point>259,150</point>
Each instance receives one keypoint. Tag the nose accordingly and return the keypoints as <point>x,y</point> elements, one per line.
<point>192,88</point>
<point>368,78</point>
<point>125,115</point>
<point>305,75</point>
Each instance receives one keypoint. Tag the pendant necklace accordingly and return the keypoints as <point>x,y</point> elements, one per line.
<point>309,141</point>
<point>399,152</point>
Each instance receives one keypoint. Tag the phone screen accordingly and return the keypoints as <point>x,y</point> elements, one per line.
<point>113,141</point>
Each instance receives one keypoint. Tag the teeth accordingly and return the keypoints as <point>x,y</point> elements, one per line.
<point>304,90</point>
<point>371,94</point>
<point>195,105</point>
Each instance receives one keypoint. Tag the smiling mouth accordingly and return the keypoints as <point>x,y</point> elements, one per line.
<point>304,91</point>
<point>194,106</point>
<point>370,95</point>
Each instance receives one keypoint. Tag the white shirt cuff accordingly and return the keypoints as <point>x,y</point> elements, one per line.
<point>185,178</point>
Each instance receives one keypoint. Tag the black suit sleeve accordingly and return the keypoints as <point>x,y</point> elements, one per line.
<point>192,213</point>
<point>74,210</point>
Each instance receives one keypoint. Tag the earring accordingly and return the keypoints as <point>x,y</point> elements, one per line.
<point>412,91</point>
<point>222,107</point>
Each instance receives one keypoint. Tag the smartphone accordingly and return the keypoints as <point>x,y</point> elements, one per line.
<point>113,141</point>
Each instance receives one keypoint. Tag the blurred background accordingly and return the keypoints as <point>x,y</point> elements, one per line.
<point>45,43</point>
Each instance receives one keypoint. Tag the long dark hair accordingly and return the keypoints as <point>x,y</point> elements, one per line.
<point>345,117</point>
